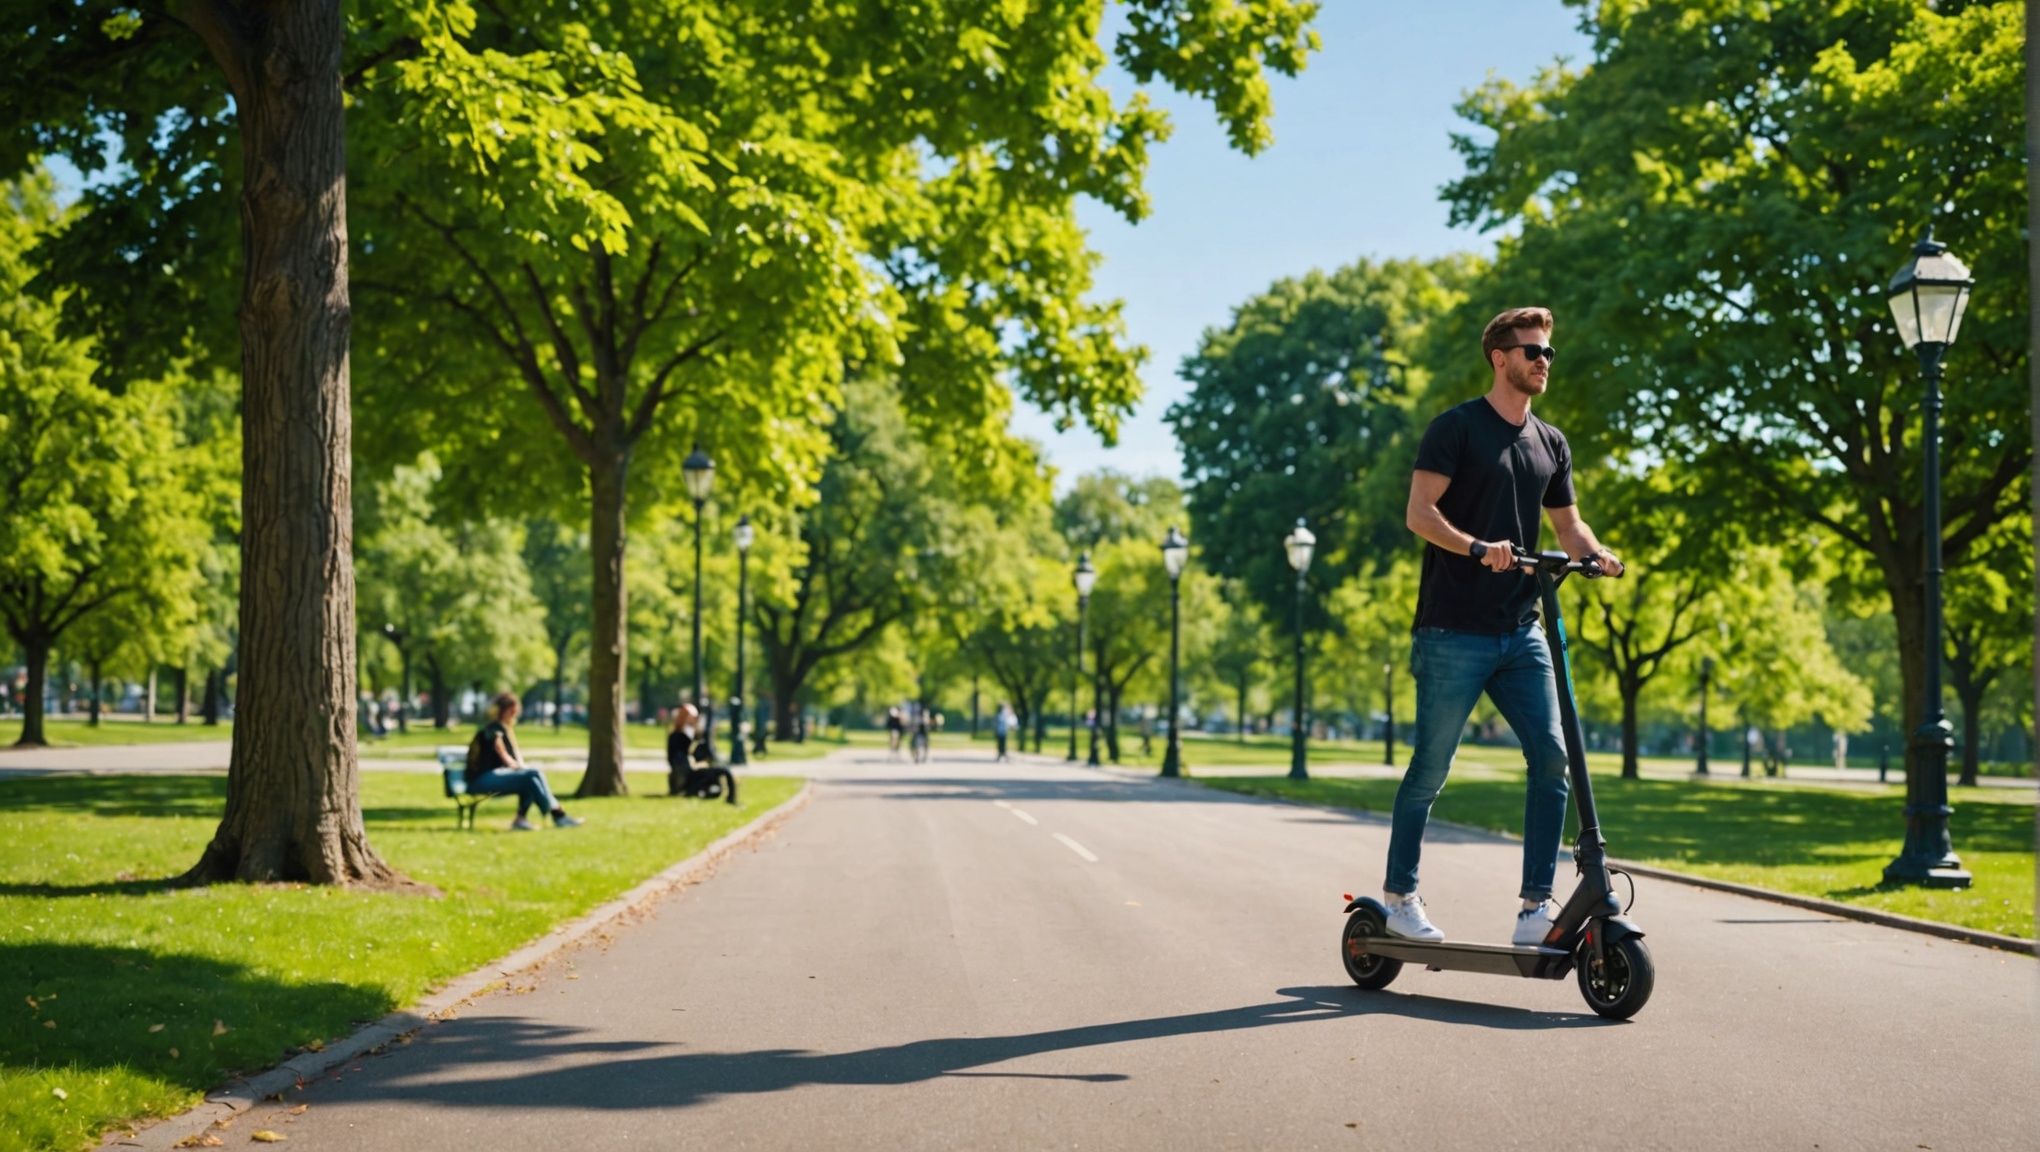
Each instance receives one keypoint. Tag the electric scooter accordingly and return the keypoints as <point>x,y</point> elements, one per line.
<point>1591,936</point>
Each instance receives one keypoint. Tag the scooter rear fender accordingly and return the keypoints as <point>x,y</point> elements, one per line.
<point>1380,909</point>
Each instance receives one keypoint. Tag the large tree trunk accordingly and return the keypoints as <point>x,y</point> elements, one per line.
<point>93,711</point>
<point>36,652</point>
<point>149,699</point>
<point>183,695</point>
<point>608,624</point>
<point>293,791</point>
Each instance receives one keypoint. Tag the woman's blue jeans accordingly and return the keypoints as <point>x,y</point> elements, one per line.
<point>527,784</point>
<point>1451,670</point>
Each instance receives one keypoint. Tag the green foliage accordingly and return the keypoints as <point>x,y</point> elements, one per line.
<point>95,939</point>
<point>457,593</point>
<point>1295,410</point>
<point>100,518</point>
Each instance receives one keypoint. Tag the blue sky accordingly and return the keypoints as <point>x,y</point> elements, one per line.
<point>1362,145</point>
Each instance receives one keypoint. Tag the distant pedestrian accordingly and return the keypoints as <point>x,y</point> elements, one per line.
<point>1002,727</point>
<point>922,719</point>
<point>895,728</point>
<point>495,769</point>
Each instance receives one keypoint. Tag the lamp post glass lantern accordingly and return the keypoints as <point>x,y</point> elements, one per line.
<point>1928,297</point>
<point>1175,555</point>
<point>1085,578</point>
<point>1299,545</point>
<point>699,472</point>
<point>743,536</point>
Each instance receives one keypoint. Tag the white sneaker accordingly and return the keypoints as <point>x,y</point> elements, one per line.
<point>1534,924</point>
<point>1406,919</point>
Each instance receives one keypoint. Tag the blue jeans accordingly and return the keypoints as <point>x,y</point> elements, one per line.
<point>527,784</point>
<point>1452,669</point>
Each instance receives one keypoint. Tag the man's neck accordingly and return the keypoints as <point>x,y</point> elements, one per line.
<point>1509,404</point>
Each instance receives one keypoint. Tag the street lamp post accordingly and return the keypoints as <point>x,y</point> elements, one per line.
<point>699,472</point>
<point>1388,711</point>
<point>1085,578</point>
<point>1928,297</point>
<point>1175,554</point>
<point>1706,674</point>
<point>1299,544</point>
<point>744,535</point>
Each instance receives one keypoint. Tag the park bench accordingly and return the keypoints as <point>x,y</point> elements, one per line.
<point>453,771</point>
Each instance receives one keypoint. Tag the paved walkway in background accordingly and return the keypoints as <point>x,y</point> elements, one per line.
<point>969,955</point>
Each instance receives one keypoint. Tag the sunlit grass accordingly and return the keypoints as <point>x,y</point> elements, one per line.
<point>74,732</point>
<point>1825,842</point>
<point>97,951</point>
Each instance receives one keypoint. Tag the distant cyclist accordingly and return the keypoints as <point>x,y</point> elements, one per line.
<point>1483,472</point>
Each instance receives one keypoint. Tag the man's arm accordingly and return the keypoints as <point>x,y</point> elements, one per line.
<point>1423,518</point>
<point>1578,540</point>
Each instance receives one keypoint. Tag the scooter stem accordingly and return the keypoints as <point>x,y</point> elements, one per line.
<point>1591,848</point>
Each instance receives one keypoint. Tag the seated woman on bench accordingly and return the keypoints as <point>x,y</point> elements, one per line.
<point>685,749</point>
<point>495,769</point>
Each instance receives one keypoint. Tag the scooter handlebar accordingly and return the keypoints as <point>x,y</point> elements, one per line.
<point>1552,562</point>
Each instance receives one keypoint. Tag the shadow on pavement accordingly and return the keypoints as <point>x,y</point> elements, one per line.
<point>617,1081</point>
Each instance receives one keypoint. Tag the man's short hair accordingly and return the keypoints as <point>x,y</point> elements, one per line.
<point>1500,330</point>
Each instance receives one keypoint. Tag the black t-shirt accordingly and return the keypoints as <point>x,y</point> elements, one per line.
<point>1502,475</point>
<point>485,758</point>
<point>680,750</point>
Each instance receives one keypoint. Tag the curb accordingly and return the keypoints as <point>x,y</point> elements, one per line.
<point>1953,932</point>
<point>238,1096</point>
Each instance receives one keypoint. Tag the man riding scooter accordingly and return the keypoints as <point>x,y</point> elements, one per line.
<point>1483,471</point>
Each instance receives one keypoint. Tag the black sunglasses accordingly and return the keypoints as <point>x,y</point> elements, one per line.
<point>1543,352</point>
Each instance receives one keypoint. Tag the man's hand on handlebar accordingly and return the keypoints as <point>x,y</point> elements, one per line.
<point>1610,566</point>
<point>1497,555</point>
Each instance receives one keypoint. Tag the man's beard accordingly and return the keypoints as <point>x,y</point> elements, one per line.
<point>1521,379</point>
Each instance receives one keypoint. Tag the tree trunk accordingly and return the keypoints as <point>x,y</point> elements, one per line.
<point>183,695</point>
<point>1112,694</point>
<point>36,654</point>
<point>149,699</point>
<point>93,712</point>
<point>293,790</point>
<point>1240,717</point>
<point>607,633</point>
<point>1971,694</point>
<point>559,679</point>
<point>1631,688</point>
<point>209,706</point>
<point>442,703</point>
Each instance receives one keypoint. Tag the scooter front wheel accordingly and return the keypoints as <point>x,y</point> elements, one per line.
<point>1368,970</point>
<point>1618,985</point>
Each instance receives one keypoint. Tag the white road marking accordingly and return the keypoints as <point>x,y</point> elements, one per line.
<point>1017,812</point>
<point>1073,846</point>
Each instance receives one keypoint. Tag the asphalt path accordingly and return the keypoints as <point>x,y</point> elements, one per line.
<point>1033,955</point>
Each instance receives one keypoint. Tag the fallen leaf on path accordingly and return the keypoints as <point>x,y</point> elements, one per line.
<point>200,1140</point>
<point>265,1136</point>
<point>299,1110</point>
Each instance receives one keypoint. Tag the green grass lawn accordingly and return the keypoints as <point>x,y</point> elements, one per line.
<point>1825,842</point>
<point>74,732</point>
<point>130,998</point>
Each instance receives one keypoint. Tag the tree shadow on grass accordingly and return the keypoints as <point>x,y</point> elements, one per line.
<point>135,795</point>
<point>538,1065</point>
<point>218,1016</point>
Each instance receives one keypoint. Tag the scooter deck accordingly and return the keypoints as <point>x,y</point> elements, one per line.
<point>1494,959</point>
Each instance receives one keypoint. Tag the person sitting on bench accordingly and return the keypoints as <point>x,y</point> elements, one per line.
<point>495,769</point>
<point>684,750</point>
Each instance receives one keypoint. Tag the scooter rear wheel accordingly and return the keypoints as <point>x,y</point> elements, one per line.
<point>1620,985</point>
<point>1369,971</point>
